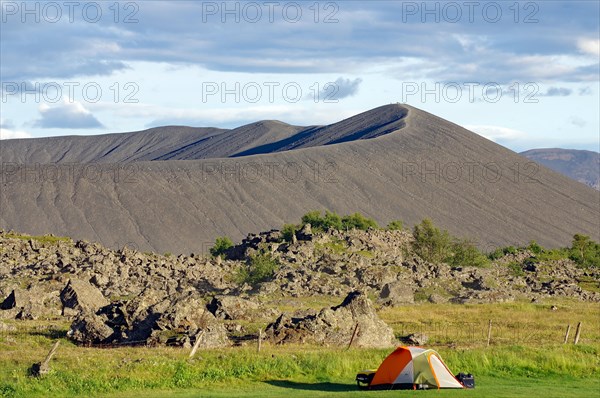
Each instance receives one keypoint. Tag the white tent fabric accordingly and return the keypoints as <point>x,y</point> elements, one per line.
<point>442,374</point>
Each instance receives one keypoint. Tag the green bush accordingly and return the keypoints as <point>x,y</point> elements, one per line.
<point>395,225</point>
<point>535,248</point>
<point>465,253</point>
<point>430,243</point>
<point>584,251</point>
<point>320,223</point>
<point>435,245</point>
<point>502,251</point>
<point>358,221</point>
<point>515,268</point>
<point>260,268</point>
<point>288,231</point>
<point>222,244</point>
<point>553,254</point>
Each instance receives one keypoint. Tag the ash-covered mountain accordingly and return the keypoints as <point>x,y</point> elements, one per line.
<point>175,189</point>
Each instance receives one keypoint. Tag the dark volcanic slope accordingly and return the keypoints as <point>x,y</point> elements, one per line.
<point>583,166</point>
<point>107,148</point>
<point>366,125</point>
<point>187,143</point>
<point>429,168</point>
<point>237,140</point>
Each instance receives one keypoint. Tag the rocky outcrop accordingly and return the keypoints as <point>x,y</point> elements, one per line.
<point>233,308</point>
<point>30,303</point>
<point>34,272</point>
<point>397,293</point>
<point>418,339</point>
<point>80,296</point>
<point>151,319</point>
<point>335,326</point>
<point>89,328</point>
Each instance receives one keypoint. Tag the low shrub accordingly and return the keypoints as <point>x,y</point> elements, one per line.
<point>222,244</point>
<point>395,225</point>
<point>260,268</point>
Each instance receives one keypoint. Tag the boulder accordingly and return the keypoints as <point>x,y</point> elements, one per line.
<point>232,308</point>
<point>184,321</point>
<point>25,303</point>
<point>89,328</point>
<point>305,233</point>
<point>418,339</point>
<point>397,293</point>
<point>335,326</point>
<point>9,302</point>
<point>436,298</point>
<point>79,295</point>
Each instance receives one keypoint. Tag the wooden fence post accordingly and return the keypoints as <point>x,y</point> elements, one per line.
<point>567,334</point>
<point>489,336</point>
<point>353,336</point>
<point>197,343</point>
<point>577,333</point>
<point>42,368</point>
<point>259,340</point>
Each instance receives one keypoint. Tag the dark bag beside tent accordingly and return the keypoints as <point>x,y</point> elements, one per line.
<point>466,380</point>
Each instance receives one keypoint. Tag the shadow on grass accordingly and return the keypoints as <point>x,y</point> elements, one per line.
<point>52,334</point>
<point>327,387</point>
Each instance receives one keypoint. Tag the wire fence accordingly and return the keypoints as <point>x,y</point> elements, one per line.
<point>497,332</point>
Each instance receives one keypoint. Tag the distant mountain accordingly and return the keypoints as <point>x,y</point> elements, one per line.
<point>582,166</point>
<point>176,189</point>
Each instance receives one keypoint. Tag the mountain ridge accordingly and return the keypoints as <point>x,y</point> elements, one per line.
<point>428,168</point>
<point>580,165</point>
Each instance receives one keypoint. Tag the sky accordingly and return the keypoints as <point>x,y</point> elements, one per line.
<point>523,74</point>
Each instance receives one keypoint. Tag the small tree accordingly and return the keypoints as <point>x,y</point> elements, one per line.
<point>465,253</point>
<point>222,244</point>
<point>584,251</point>
<point>431,243</point>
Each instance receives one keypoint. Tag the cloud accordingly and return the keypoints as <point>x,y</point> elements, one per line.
<point>69,115</point>
<point>6,124</point>
<point>345,87</point>
<point>589,46</point>
<point>557,92</point>
<point>465,51</point>
<point>587,90</point>
<point>334,91</point>
<point>10,134</point>
<point>497,133</point>
<point>577,121</point>
<point>8,131</point>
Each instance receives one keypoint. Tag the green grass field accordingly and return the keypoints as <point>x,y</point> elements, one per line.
<point>535,364</point>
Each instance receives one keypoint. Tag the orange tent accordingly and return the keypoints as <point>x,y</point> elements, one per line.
<point>409,368</point>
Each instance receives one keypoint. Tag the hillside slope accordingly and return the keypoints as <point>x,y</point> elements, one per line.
<point>428,168</point>
<point>582,166</point>
<point>188,143</point>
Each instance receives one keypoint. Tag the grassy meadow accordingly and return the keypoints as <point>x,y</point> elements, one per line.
<point>526,357</point>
